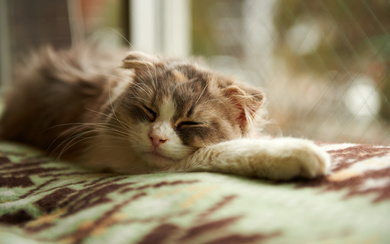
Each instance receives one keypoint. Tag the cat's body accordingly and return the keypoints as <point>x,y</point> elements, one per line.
<point>147,114</point>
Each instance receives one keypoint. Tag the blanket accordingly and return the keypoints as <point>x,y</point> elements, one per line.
<point>44,200</point>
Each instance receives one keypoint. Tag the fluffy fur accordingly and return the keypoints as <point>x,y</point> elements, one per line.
<point>137,113</point>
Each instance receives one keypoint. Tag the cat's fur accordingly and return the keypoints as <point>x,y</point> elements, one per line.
<point>137,113</point>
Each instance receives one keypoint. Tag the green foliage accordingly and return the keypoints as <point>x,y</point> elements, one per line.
<point>351,31</point>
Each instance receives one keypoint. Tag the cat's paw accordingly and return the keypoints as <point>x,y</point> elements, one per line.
<point>297,158</point>
<point>313,160</point>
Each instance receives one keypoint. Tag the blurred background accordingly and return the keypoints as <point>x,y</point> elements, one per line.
<point>325,65</point>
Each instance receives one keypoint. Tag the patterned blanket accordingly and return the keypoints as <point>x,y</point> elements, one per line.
<point>46,201</point>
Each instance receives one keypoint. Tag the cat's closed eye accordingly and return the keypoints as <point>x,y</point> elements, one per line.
<point>187,124</point>
<point>150,113</point>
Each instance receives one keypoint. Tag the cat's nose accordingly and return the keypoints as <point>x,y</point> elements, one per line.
<point>157,140</point>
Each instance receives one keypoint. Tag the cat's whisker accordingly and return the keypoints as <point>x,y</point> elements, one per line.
<point>201,94</point>
<point>142,99</point>
<point>124,79</point>
<point>157,69</point>
<point>148,91</point>
<point>122,36</point>
<point>96,128</point>
<point>73,127</point>
<point>115,132</point>
<point>112,108</point>
<point>70,141</point>
<point>153,79</point>
<point>74,124</point>
<point>120,143</point>
<point>98,112</point>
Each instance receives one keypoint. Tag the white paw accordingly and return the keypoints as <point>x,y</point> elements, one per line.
<point>292,157</point>
<point>314,161</point>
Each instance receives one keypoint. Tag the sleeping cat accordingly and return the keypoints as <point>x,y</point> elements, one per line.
<point>134,113</point>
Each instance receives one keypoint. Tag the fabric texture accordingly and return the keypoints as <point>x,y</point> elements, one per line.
<point>43,200</point>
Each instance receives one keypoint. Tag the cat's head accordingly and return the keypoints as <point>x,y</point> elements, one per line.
<point>170,108</point>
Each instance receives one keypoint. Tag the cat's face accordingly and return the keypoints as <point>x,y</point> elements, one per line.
<point>171,109</point>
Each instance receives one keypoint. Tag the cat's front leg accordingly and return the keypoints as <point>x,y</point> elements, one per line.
<point>278,159</point>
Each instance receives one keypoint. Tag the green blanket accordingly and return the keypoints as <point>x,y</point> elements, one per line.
<point>43,200</point>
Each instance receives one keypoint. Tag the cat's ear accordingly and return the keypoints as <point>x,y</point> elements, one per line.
<point>139,61</point>
<point>248,101</point>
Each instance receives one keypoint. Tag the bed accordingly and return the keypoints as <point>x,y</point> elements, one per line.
<point>44,200</point>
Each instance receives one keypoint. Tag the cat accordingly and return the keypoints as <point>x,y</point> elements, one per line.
<point>133,113</point>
